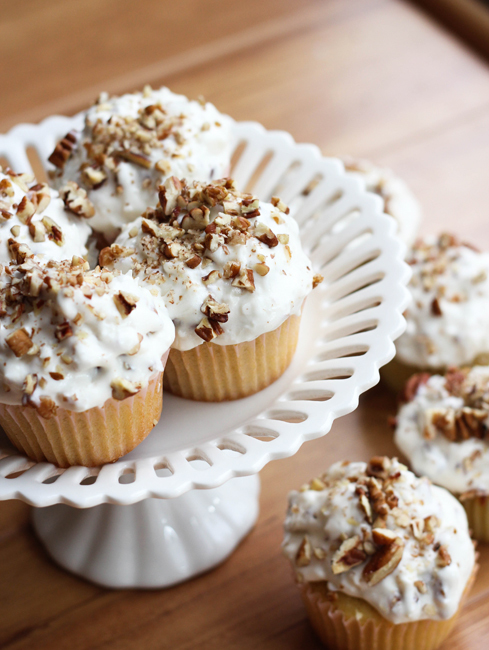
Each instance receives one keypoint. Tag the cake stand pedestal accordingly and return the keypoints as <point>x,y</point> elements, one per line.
<point>152,543</point>
<point>181,501</point>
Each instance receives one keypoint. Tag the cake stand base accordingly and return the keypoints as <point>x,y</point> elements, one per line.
<point>152,543</point>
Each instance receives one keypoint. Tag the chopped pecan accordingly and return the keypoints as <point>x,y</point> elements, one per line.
<point>206,330</point>
<point>231,269</point>
<point>168,194</point>
<point>25,210</point>
<point>211,277</point>
<point>266,235</point>
<point>63,150</point>
<point>54,231</point>
<point>383,562</point>
<point>317,279</point>
<point>412,385</point>
<point>19,252</point>
<point>93,177</point>
<point>435,307</point>
<point>30,384</point>
<point>122,388</point>
<point>349,554</point>
<point>37,231</point>
<point>261,269</point>
<point>63,331</point>
<point>215,310</point>
<point>76,200</point>
<point>20,343</point>
<point>384,536</point>
<point>443,558</point>
<point>379,467</point>
<point>304,553</point>
<point>377,497</point>
<point>193,262</point>
<point>364,503</point>
<point>134,157</point>
<point>279,204</point>
<point>47,407</point>
<point>125,303</point>
<point>245,280</point>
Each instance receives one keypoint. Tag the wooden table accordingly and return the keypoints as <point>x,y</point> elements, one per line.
<point>373,78</point>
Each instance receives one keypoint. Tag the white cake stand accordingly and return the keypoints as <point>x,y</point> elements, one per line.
<point>146,520</point>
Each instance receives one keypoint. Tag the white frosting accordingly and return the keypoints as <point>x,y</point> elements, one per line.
<point>198,147</point>
<point>328,516</point>
<point>399,201</point>
<point>459,466</point>
<point>13,190</point>
<point>277,295</point>
<point>103,345</point>
<point>457,277</point>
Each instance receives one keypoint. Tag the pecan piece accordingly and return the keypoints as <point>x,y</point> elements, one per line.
<point>63,331</point>
<point>19,252</point>
<point>134,157</point>
<point>279,204</point>
<point>245,280</point>
<point>54,231</point>
<point>76,200</point>
<point>63,150</point>
<point>193,262</point>
<point>206,330</point>
<point>412,385</point>
<point>349,554</point>
<point>231,269</point>
<point>443,558</point>
<point>215,310</point>
<point>304,553</point>
<point>25,210</point>
<point>122,388</point>
<point>435,307</point>
<point>383,562</point>
<point>168,194</point>
<point>21,343</point>
<point>125,303</point>
<point>47,407</point>
<point>317,278</point>
<point>266,235</point>
<point>37,231</point>
<point>379,467</point>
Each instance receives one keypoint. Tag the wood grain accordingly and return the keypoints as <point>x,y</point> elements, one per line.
<point>374,78</point>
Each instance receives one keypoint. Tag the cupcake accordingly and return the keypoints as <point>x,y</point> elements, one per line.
<point>82,356</point>
<point>449,289</point>
<point>399,202</point>
<point>130,144</point>
<point>383,559</point>
<point>442,429</point>
<point>54,227</point>
<point>234,278</point>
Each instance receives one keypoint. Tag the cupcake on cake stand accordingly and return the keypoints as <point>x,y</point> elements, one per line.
<point>180,502</point>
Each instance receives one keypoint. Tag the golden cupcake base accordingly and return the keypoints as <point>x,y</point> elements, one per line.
<point>93,437</point>
<point>215,373</point>
<point>477,509</point>
<point>343,622</point>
